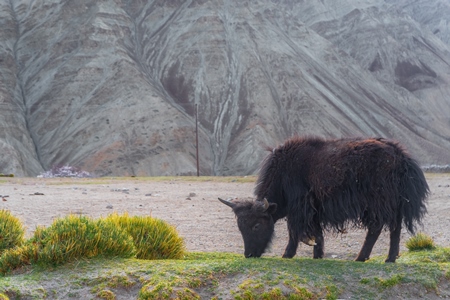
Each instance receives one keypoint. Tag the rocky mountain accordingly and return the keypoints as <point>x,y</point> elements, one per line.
<point>115,87</point>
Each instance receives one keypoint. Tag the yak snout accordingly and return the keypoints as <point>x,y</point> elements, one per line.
<point>257,237</point>
<point>253,253</point>
<point>250,255</point>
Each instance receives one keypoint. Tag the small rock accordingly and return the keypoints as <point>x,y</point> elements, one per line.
<point>37,194</point>
<point>124,190</point>
<point>192,194</point>
<point>109,206</point>
<point>148,195</point>
<point>188,198</point>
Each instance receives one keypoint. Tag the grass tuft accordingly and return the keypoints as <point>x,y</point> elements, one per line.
<point>162,290</point>
<point>17,257</point>
<point>106,294</point>
<point>3,296</point>
<point>390,282</point>
<point>79,237</point>
<point>69,239</point>
<point>419,242</point>
<point>75,237</point>
<point>153,238</point>
<point>11,231</point>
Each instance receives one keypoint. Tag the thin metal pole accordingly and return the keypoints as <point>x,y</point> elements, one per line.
<point>196,137</point>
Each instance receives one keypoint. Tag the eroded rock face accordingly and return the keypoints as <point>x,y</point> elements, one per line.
<point>112,87</point>
<point>17,149</point>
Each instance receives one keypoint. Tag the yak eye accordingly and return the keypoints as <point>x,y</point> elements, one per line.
<point>256,227</point>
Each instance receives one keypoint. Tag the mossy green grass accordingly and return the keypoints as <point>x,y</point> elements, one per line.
<point>231,276</point>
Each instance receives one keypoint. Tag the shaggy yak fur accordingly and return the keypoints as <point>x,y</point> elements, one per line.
<point>331,185</point>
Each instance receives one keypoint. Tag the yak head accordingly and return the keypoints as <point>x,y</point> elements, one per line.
<point>255,223</point>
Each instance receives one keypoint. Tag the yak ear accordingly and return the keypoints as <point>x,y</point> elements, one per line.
<point>228,202</point>
<point>270,208</point>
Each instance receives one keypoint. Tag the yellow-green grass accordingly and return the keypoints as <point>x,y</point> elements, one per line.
<point>420,241</point>
<point>11,231</point>
<point>69,239</point>
<point>153,238</point>
<point>75,238</point>
<point>3,297</point>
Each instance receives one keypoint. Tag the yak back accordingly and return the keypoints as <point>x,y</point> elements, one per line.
<point>343,182</point>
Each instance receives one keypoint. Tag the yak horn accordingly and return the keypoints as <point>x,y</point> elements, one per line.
<point>228,202</point>
<point>265,204</point>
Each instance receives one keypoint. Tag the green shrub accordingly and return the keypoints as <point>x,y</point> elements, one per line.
<point>75,237</point>
<point>17,257</point>
<point>3,297</point>
<point>11,231</point>
<point>153,238</point>
<point>420,241</point>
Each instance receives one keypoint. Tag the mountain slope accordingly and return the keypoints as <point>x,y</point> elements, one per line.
<point>112,86</point>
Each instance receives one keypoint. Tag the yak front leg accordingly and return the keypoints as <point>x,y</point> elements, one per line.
<point>291,248</point>
<point>371,237</point>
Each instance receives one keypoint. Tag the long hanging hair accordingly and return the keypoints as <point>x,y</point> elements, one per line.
<point>340,183</point>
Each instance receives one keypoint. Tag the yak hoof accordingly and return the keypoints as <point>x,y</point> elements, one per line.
<point>361,259</point>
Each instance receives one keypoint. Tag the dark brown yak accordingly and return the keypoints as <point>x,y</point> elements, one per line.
<point>332,185</point>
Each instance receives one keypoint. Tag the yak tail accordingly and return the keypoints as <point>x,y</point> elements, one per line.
<point>413,193</point>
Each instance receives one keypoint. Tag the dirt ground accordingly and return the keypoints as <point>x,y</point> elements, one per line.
<point>206,224</point>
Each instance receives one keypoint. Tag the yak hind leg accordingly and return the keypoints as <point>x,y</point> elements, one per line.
<point>394,245</point>
<point>371,237</point>
<point>318,251</point>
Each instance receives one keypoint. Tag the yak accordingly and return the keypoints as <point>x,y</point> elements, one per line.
<point>331,185</point>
